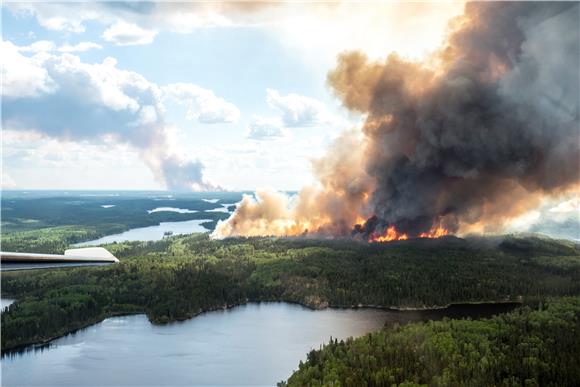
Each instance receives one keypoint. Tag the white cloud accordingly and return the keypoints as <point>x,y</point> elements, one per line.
<point>266,128</point>
<point>325,28</point>
<point>295,111</point>
<point>127,34</point>
<point>80,47</point>
<point>298,110</point>
<point>179,17</point>
<point>202,104</point>
<point>64,98</point>
<point>557,217</point>
<point>39,46</point>
<point>83,100</point>
<point>102,83</point>
<point>62,23</point>
<point>64,16</point>
<point>23,76</point>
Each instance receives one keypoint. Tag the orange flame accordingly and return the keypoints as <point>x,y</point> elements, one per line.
<point>435,232</point>
<point>390,234</point>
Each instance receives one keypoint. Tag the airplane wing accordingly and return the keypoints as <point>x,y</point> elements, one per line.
<point>89,256</point>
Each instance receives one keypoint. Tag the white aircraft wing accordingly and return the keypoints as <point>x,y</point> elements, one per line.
<point>90,256</point>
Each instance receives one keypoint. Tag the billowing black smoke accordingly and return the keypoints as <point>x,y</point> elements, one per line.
<point>474,136</point>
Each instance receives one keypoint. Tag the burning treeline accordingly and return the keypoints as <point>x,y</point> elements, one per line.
<point>461,142</point>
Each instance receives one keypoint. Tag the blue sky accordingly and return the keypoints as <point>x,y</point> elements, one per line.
<point>185,95</point>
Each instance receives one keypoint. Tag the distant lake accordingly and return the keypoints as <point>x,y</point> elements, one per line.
<point>151,233</point>
<point>213,201</point>
<point>172,209</point>
<point>224,208</point>
<point>254,344</point>
<point>219,209</point>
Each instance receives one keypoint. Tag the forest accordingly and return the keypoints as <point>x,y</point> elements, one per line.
<point>531,346</point>
<point>179,277</point>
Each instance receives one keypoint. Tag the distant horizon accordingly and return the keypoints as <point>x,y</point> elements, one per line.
<point>562,224</point>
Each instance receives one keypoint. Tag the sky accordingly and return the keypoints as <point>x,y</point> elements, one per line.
<point>196,96</point>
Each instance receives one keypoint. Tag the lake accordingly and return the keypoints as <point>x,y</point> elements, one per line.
<point>172,209</point>
<point>254,344</point>
<point>151,233</point>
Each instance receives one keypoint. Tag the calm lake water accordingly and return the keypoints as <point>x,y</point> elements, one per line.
<point>151,233</point>
<point>254,344</point>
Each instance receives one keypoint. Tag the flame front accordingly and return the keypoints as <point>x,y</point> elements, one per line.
<point>390,234</point>
<point>435,232</point>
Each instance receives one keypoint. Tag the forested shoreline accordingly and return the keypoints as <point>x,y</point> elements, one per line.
<point>531,346</point>
<point>180,277</point>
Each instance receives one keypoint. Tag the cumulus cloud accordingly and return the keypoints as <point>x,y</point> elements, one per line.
<point>266,128</point>
<point>23,76</point>
<point>294,111</point>
<point>38,46</point>
<point>298,110</point>
<point>62,97</point>
<point>137,23</point>
<point>558,217</point>
<point>52,19</point>
<point>128,34</point>
<point>202,104</point>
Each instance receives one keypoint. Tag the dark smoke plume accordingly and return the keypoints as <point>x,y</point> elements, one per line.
<point>495,122</point>
<point>464,141</point>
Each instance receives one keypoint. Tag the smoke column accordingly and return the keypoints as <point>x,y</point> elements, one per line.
<point>471,137</point>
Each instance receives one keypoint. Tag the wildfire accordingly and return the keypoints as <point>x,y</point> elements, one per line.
<point>390,234</point>
<point>435,232</point>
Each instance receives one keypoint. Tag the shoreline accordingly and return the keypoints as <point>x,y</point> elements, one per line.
<point>46,341</point>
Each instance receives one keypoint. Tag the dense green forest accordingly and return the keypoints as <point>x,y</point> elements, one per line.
<point>179,277</point>
<point>537,346</point>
